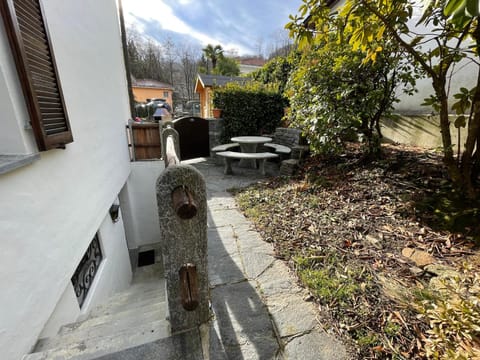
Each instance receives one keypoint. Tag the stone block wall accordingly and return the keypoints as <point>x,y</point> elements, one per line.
<point>288,137</point>
<point>215,134</point>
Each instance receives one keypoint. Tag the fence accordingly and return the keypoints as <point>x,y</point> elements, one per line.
<point>144,141</point>
<point>145,144</point>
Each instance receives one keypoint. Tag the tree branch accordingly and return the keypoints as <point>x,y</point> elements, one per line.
<point>410,49</point>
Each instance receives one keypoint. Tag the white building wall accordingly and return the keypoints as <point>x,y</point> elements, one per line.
<point>420,125</point>
<point>139,202</point>
<point>13,137</point>
<point>464,72</point>
<point>417,124</point>
<point>113,275</point>
<point>50,210</point>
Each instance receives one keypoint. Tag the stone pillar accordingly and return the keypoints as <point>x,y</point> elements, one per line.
<point>215,134</point>
<point>184,241</point>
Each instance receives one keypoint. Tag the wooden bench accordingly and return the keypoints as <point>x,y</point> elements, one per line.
<point>224,147</point>
<point>229,155</point>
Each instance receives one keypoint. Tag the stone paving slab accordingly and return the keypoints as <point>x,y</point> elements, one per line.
<point>226,217</point>
<point>291,315</point>
<point>277,280</point>
<point>255,263</point>
<point>221,240</point>
<point>225,270</point>
<point>245,328</point>
<point>315,345</point>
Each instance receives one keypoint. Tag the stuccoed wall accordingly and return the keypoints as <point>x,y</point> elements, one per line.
<point>113,275</point>
<point>139,204</point>
<point>51,209</point>
<point>418,130</point>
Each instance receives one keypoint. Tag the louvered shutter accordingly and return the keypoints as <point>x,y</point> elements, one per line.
<point>31,48</point>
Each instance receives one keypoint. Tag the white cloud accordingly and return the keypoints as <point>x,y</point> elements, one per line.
<point>153,11</point>
<point>158,11</point>
<point>237,26</point>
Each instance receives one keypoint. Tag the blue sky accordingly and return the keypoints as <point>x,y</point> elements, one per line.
<point>244,26</point>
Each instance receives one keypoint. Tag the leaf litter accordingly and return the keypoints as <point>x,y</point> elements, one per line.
<point>361,239</point>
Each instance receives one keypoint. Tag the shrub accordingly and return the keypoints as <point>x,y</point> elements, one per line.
<point>453,314</point>
<point>277,70</point>
<point>251,109</point>
<point>334,95</point>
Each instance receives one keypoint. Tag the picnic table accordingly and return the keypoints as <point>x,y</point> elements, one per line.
<point>248,154</point>
<point>249,144</point>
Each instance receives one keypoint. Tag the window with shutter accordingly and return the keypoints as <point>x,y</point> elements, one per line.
<point>27,32</point>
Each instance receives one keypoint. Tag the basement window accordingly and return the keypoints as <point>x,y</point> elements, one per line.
<point>146,258</point>
<point>82,279</point>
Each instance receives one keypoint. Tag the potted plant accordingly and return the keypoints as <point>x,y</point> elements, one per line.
<point>217,113</point>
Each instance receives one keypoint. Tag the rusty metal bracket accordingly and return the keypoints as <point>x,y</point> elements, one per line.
<point>183,203</point>
<point>189,292</point>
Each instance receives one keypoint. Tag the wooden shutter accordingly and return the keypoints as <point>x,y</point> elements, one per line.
<point>31,49</point>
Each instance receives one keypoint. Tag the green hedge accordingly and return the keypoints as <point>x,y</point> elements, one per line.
<point>252,109</point>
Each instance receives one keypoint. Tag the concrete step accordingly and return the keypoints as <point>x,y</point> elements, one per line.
<point>128,319</point>
<point>156,284</point>
<point>124,306</point>
<point>94,347</point>
<point>125,302</point>
<point>183,346</point>
<point>133,294</point>
<point>103,326</point>
<point>141,287</point>
<point>139,311</point>
<point>147,273</point>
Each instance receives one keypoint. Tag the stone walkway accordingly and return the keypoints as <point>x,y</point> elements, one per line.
<point>260,312</point>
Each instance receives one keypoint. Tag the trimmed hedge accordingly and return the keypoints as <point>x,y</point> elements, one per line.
<point>252,109</point>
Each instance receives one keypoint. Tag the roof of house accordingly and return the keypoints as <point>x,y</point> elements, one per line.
<point>150,83</point>
<point>253,61</point>
<point>219,80</point>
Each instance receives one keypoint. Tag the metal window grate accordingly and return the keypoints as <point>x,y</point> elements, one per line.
<point>83,277</point>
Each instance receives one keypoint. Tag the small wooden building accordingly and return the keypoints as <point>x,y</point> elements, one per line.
<point>204,87</point>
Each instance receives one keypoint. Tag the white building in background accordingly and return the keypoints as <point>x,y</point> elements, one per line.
<point>62,167</point>
<point>417,124</point>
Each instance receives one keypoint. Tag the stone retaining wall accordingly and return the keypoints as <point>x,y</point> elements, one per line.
<point>288,137</point>
<point>215,132</point>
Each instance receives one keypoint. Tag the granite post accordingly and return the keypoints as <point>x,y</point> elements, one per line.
<point>184,241</point>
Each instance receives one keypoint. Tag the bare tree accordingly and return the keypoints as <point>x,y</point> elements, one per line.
<point>170,53</point>
<point>281,44</point>
<point>146,57</point>
<point>259,47</point>
<point>171,62</point>
<point>189,58</point>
